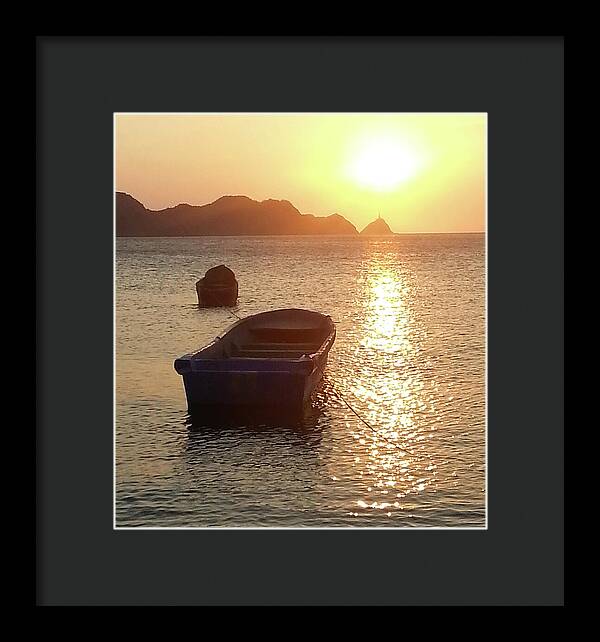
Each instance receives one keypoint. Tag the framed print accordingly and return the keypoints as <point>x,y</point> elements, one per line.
<point>294,320</point>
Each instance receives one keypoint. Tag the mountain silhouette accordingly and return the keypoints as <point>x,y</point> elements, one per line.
<point>227,216</point>
<point>376,228</point>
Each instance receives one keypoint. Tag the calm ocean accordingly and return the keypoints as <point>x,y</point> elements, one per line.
<point>409,357</point>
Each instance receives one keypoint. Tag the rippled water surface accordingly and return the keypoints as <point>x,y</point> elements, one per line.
<point>409,358</point>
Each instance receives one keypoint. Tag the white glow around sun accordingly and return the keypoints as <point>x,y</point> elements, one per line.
<point>383,163</point>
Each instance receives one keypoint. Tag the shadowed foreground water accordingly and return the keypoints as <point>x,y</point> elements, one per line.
<point>409,357</point>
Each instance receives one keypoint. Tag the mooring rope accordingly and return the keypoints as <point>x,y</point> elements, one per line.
<point>372,428</point>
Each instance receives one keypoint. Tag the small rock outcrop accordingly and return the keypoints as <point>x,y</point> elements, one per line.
<point>377,227</point>
<point>218,287</point>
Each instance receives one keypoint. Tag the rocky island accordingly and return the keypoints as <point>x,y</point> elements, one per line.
<point>227,216</point>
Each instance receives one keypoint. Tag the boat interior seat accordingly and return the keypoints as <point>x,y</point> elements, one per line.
<point>287,335</point>
<point>304,347</point>
<point>254,351</point>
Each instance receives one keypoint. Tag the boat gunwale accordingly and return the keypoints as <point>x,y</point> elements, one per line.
<point>228,329</point>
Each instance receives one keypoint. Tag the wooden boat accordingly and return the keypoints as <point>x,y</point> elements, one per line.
<point>218,287</point>
<point>274,359</point>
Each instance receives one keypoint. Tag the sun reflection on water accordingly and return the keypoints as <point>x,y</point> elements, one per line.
<point>391,461</point>
<point>387,317</point>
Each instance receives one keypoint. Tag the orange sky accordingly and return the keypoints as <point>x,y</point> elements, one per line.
<point>423,172</point>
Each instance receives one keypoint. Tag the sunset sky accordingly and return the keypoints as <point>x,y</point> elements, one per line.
<point>422,172</point>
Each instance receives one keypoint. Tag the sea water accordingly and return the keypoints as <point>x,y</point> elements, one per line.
<point>409,359</point>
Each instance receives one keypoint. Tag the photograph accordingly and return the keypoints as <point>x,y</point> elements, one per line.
<point>300,320</point>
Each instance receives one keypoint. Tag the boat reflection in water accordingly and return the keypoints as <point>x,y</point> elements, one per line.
<point>248,466</point>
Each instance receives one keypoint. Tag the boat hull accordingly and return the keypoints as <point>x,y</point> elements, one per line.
<point>280,367</point>
<point>261,386</point>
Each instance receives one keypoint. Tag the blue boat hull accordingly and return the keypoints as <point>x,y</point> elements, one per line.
<point>272,388</point>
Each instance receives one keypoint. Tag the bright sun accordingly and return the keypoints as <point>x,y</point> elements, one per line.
<point>383,164</point>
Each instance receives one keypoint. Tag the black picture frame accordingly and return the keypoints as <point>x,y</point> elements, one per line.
<point>80,83</point>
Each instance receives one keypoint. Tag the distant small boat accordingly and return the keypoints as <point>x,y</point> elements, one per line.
<point>218,287</point>
<point>271,359</point>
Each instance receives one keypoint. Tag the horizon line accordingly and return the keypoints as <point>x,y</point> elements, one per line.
<point>318,236</point>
